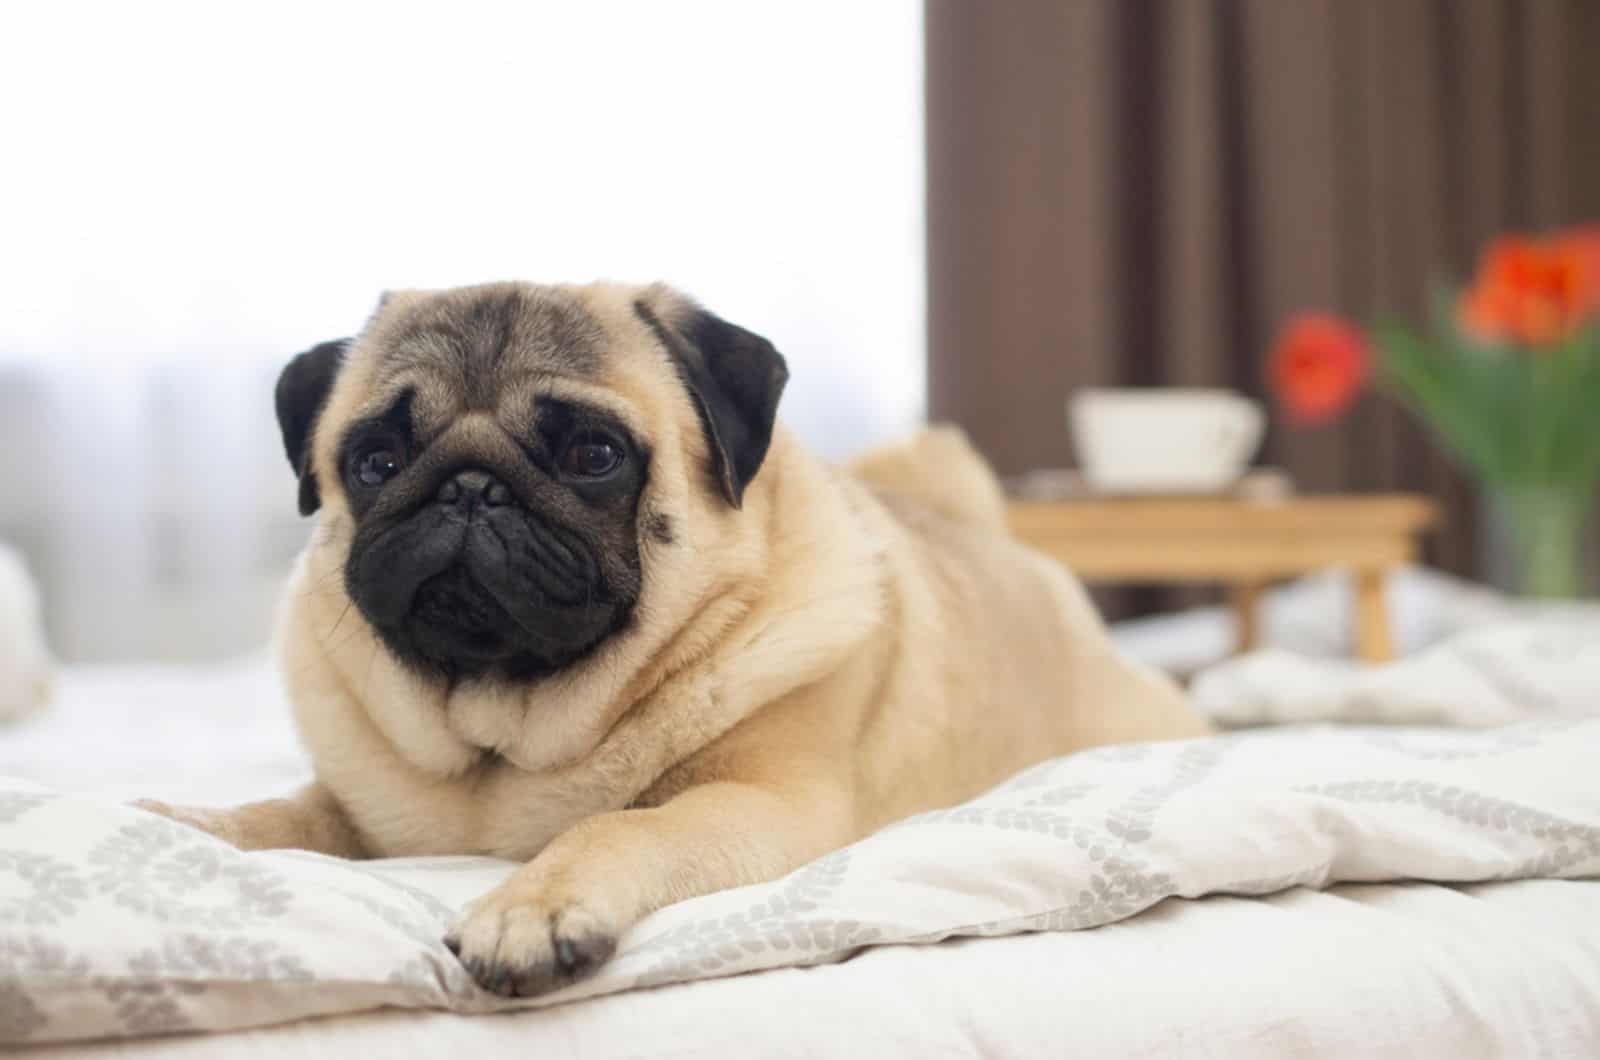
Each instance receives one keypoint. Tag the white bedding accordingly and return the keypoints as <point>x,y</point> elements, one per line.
<point>118,923</point>
<point>209,735</point>
<point>1369,971</point>
<point>1488,969</point>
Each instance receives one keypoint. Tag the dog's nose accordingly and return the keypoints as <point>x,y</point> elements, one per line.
<point>473,489</point>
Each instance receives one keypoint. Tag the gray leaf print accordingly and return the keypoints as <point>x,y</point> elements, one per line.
<point>781,923</point>
<point>22,960</point>
<point>177,875</point>
<point>155,997</point>
<point>1575,843</point>
<point>53,889</point>
<point>192,956</point>
<point>147,1006</point>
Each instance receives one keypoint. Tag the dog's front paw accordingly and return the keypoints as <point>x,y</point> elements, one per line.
<point>218,823</point>
<point>518,945</point>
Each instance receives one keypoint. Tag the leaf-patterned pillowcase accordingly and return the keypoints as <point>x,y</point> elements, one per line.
<point>117,923</point>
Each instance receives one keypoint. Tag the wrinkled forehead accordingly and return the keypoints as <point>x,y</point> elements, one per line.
<point>491,349</point>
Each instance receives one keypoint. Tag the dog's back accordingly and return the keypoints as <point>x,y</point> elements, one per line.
<point>939,468</point>
<point>1001,658</point>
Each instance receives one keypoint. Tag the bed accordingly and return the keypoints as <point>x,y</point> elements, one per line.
<point>1220,926</point>
<point>1370,971</point>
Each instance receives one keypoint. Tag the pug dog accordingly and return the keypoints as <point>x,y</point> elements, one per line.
<point>576,599</point>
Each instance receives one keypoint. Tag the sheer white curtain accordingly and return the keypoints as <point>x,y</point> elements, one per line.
<point>193,192</point>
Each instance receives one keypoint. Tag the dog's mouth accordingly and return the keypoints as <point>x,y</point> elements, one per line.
<point>462,616</point>
<point>507,595</point>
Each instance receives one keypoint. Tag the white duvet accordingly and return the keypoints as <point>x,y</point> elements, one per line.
<point>1403,971</point>
<point>115,925</point>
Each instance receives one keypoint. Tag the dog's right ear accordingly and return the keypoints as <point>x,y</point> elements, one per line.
<point>735,378</point>
<point>302,391</point>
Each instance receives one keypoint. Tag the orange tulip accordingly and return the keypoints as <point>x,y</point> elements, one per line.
<point>1583,243</point>
<point>1528,292</point>
<point>1317,367</point>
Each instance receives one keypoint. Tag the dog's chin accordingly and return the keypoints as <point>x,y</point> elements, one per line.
<point>458,629</point>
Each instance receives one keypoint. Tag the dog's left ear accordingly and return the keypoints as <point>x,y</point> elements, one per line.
<point>736,378</point>
<point>302,391</point>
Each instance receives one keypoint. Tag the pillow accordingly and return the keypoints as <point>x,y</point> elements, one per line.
<point>25,664</point>
<point>117,923</point>
<point>1523,670</point>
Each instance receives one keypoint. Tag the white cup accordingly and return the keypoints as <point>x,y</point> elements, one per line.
<point>1164,440</point>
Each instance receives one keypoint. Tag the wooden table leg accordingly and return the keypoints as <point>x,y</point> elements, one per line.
<point>1246,598</point>
<point>1374,642</point>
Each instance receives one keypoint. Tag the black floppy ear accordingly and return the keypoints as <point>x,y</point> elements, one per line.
<point>302,391</point>
<point>736,378</point>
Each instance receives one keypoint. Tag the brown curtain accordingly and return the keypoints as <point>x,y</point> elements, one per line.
<point>1138,192</point>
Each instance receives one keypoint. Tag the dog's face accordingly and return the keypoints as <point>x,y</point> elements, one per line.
<point>491,449</point>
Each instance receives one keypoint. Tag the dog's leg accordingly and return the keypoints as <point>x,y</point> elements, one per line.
<point>311,819</point>
<point>560,916</point>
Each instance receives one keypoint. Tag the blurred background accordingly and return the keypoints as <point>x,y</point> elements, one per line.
<point>194,192</point>
<point>961,210</point>
<point>1141,193</point>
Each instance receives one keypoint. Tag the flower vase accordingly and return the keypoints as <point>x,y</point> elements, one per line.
<point>1546,526</point>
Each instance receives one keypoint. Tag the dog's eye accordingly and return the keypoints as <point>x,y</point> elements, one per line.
<point>377,466</point>
<point>591,458</point>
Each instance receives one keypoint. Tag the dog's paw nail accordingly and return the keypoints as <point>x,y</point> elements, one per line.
<point>476,968</point>
<point>524,950</point>
<point>578,956</point>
